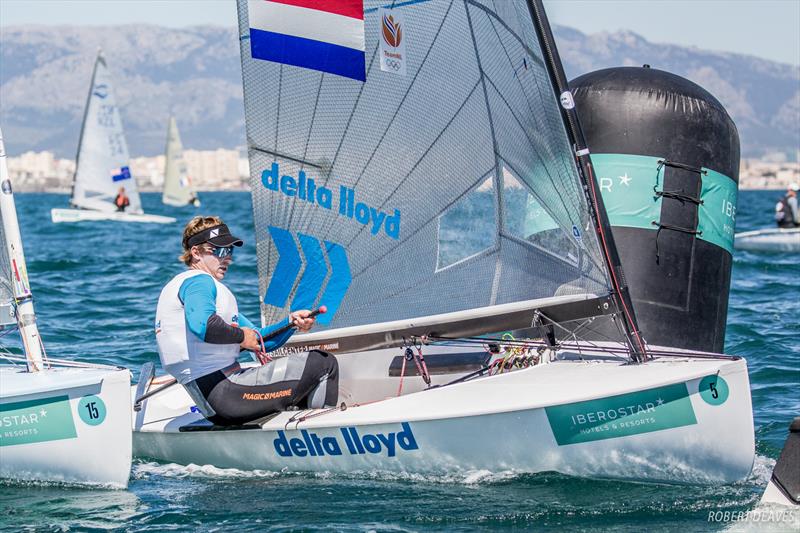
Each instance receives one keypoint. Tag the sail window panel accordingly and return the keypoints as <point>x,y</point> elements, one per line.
<point>396,287</point>
<point>524,215</point>
<point>529,274</point>
<point>468,227</point>
<point>452,165</point>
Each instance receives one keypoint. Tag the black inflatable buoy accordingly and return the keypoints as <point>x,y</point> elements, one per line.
<point>666,156</point>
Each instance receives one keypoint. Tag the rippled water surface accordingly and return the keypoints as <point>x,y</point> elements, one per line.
<point>96,287</point>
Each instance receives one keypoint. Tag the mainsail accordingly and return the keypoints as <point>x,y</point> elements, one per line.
<point>102,165</point>
<point>444,184</point>
<point>178,188</point>
<point>7,304</point>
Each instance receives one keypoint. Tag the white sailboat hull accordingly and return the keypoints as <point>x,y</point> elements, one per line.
<point>523,421</point>
<point>769,240</point>
<point>68,425</point>
<point>83,215</point>
<point>179,203</point>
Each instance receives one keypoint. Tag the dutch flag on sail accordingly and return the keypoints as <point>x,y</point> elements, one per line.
<point>324,35</point>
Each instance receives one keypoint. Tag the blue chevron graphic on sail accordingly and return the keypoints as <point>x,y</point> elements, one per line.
<point>314,274</point>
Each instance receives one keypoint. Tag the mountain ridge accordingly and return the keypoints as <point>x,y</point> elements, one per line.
<point>195,73</point>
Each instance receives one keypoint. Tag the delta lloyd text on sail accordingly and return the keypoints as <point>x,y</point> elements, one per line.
<point>305,188</point>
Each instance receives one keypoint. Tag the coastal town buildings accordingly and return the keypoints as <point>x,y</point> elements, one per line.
<point>210,170</point>
<point>222,169</point>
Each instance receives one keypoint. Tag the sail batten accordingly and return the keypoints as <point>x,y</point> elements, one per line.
<point>440,187</point>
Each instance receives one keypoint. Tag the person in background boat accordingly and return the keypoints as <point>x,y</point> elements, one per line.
<point>121,201</point>
<point>786,210</point>
<point>200,332</point>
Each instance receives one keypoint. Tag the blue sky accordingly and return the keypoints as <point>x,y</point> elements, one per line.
<point>765,28</point>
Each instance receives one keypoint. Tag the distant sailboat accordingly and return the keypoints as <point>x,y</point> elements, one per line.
<point>102,163</point>
<point>178,190</point>
<point>62,420</point>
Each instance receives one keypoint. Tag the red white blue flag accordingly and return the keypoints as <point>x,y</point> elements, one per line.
<point>324,35</point>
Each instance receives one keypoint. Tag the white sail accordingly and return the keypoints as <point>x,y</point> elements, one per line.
<point>388,196</point>
<point>178,189</point>
<point>7,316</point>
<point>102,165</point>
<point>15,275</point>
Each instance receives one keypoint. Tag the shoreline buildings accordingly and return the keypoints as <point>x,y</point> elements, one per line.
<point>228,170</point>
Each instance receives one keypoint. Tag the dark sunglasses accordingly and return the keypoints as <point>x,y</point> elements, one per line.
<point>221,252</point>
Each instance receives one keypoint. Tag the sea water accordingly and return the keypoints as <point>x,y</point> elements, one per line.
<point>96,286</point>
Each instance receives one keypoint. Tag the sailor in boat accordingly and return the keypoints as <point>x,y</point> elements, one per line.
<point>200,333</point>
<point>786,210</point>
<point>121,200</point>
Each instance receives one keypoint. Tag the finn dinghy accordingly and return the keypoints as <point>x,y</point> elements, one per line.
<point>178,190</point>
<point>102,163</point>
<point>59,420</point>
<point>421,172</point>
<point>769,240</point>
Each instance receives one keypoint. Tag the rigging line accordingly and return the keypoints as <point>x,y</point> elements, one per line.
<point>397,111</point>
<point>539,248</point>
<point>278,108</point>
<point>522,86</point>
<point>492,130</point>
<point>305,149</point>
<point>583,163</point>
<point>545,205</point>
<point>541,97</point>
<point>352,114</point>
<point>612,268</point>
<point>495,16</point>
<point>424,154</point>
<point>330,223</point>
<point>424,224</point>
<point>405,96</point>
<point>396,5</point>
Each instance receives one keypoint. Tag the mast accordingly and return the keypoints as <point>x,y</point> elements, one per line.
<point>83,124</point>
<point>26,318</point>
<point>555,69</point>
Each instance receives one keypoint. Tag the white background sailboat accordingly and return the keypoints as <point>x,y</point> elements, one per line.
<point>178,190</point>
<point>102,161</point>
<point>769,240</point>
<point>59,420</point>
<point>400,202</point>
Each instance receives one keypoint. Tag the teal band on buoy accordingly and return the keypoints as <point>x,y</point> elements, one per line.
<point>627,184</point>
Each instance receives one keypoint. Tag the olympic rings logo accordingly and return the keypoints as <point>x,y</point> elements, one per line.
<point>393,64</point>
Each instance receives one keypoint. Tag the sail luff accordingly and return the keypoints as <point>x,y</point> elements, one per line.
<point>83,126</point>
<point>555,68</point>
<point>26,317</point>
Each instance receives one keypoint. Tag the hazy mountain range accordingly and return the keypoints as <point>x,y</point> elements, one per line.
<point>195,74</point>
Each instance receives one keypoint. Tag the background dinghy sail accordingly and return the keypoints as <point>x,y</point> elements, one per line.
<point>59,420</point>
<point>178,190</point>
<point>101,166</point>
<point>412,170</point>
